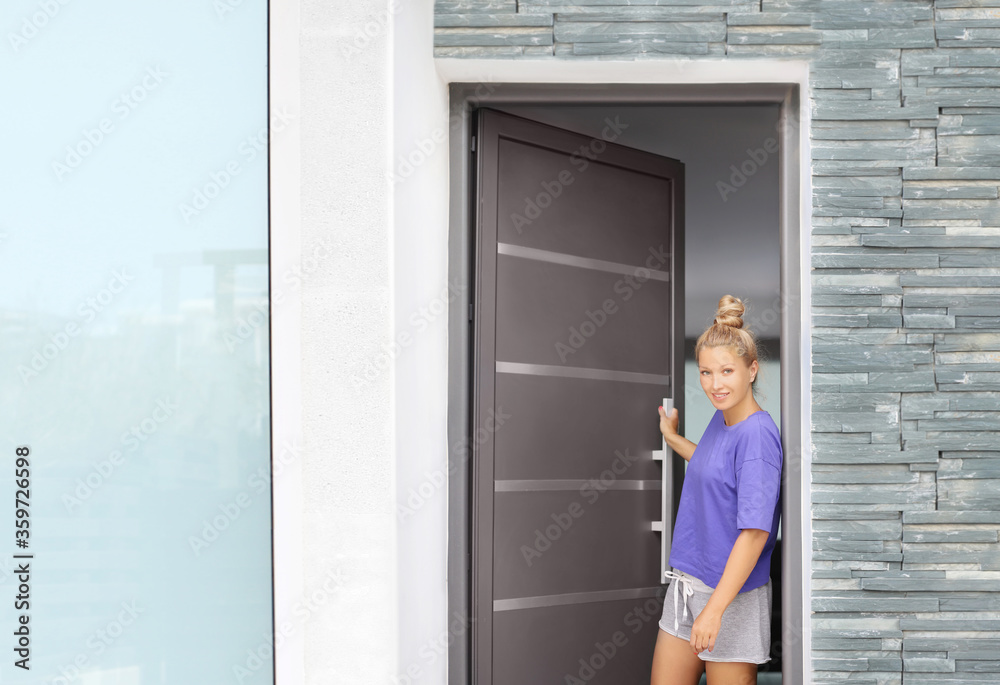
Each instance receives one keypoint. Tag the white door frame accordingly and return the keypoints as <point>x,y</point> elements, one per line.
<point>540,82</point>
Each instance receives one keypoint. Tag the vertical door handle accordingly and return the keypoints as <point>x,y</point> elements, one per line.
<point>666,496</point>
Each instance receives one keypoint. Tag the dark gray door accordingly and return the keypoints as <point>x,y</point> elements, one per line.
<point>578,337</point>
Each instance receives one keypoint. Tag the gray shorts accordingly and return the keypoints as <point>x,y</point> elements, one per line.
<point>745,633</point>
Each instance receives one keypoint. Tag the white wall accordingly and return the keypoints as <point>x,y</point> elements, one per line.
<point>421,294</point>
<point>349,466</point>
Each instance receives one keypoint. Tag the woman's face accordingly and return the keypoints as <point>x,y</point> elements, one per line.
<point>725,377</point>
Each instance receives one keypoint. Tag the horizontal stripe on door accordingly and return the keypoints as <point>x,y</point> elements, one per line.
<point>575,598</point>
<point>583,262</point>
<point>583,372</point>
<point>573,484</point>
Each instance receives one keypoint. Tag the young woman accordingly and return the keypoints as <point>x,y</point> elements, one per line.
<point>717,614</point>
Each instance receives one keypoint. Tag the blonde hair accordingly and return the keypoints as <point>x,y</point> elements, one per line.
<point>727,331</point>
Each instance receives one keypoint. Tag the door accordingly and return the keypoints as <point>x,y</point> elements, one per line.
<point>578,337</point>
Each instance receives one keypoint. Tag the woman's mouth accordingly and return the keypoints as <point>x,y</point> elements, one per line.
<point>718,397</point>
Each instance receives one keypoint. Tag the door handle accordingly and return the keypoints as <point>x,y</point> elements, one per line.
<point>666,495</point>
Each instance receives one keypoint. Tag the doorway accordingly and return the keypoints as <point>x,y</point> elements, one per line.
<point>770,286</point>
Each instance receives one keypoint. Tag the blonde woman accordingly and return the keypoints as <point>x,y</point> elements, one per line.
<point>717,613</point>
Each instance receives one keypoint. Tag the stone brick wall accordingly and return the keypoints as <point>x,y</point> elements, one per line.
<point>905,100</point>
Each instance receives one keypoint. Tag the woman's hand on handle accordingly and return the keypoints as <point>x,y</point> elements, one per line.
<point>668,427</point>
<point>669,422</point>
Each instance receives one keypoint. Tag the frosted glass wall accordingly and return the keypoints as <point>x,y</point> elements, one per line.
<point>134,344</point>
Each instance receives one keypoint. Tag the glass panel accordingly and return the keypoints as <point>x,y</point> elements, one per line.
<point>134,314</point>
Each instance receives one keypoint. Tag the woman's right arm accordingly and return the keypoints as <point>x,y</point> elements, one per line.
<point>675,441</point>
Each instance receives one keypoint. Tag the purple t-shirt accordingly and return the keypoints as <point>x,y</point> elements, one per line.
<point>733,481</point>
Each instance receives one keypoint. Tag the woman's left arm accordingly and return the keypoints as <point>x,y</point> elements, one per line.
<point>743,557</point>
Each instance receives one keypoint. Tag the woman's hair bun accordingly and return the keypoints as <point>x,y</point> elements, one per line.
<point>730,312</point>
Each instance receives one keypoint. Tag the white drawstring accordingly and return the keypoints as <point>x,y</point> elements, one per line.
<point>688,591</point>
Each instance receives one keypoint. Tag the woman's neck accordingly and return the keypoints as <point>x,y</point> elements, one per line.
<point>734,415</point>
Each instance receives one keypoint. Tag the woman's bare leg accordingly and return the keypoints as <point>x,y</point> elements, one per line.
<point>730,673</point>
<point>674,662</point>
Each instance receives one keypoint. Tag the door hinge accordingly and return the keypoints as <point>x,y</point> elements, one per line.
<point>473,148</point>
<point>470,312</point>
<point>468,561</point>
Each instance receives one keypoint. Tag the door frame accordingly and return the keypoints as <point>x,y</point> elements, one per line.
<point>465,94</point>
